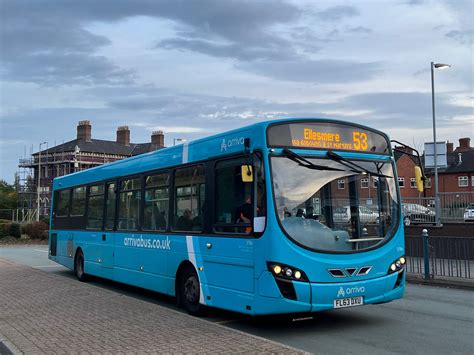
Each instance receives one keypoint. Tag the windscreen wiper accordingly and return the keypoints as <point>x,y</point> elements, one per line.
<point>306,163</point>
<point>350,164</point>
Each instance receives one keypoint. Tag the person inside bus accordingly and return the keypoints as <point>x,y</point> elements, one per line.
<point>245,216</point>
<point>185,222</point>
<point>161,220</point>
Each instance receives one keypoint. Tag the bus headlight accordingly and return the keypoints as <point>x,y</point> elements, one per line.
<point>286,272</point>
<point>397,265</point>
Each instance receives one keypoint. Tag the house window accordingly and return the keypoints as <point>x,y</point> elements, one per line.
<point>463,181</point>
<point>375,182</point>
<point>364,183</point>
<point>401,182</point>
<point>413,183</point>
<point>341,184</point>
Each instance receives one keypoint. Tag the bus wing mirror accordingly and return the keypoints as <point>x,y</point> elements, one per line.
<point>247,173</point>
<point>419,179</point>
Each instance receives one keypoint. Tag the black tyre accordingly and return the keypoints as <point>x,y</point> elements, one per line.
<point>79,266</point>
<point>190,291</point>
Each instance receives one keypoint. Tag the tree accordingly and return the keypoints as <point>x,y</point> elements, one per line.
<point>8,199</point>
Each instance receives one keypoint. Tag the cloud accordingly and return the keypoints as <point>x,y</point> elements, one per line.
<point>267,50</point>
<point>337,13</point>
<point>359,29</point>
<point>463,37</point>
<point>314,71</point>
<point>177,129</point>
<point>47,50</point>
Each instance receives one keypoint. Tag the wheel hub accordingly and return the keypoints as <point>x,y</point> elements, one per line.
<point>191,290</point>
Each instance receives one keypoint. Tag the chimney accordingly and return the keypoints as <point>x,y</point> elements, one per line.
<point>464,144</point>
<point>84,130</point>
<point>158,139</point>
<point>123,135</point>
<point>449,147</point>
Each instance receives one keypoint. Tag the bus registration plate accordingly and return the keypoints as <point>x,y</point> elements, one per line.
<point>348,302</point>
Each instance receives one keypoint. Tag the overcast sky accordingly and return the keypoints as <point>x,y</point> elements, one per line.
<point>195,68</point>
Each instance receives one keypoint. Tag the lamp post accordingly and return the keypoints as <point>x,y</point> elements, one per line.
<point>437,206</point>
<point>179,140</point>
<point>39,182</point>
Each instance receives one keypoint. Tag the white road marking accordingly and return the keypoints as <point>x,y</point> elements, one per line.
<point>43,251</point>
<point>40,266</point>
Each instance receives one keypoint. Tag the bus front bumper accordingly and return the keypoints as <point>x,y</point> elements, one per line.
<point>315,297</point>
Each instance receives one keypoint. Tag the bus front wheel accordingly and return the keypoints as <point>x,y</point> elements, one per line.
<point>79,266</point>
<point>190,291</point>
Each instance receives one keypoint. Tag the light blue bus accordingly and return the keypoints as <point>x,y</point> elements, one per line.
<point>286,216</point>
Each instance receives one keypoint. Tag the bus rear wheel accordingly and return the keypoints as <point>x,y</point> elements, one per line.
<point>79,266</point>
<point>190,291</point>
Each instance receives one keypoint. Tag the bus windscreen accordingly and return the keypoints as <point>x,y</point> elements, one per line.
<point>327,135</point>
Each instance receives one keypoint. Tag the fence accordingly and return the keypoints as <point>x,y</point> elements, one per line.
<point>440,256</point>
<point>452,207</point>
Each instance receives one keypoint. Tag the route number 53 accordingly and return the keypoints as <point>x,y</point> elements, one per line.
<point>360,140</point>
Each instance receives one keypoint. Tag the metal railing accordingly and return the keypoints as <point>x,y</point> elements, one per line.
<point>452,207</point>
<point>440,256</point>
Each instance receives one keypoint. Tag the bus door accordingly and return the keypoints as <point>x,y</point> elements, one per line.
<point>229,254</point>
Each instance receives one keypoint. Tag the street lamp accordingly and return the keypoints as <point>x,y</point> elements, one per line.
<point>433,67</point>
<point>39,182</point>
<point>179,140</point>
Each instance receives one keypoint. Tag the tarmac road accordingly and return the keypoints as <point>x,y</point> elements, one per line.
<point>429,320</point>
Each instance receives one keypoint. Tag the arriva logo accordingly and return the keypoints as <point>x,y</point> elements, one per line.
<point>341,292</point>
<point>350,291</point>
<point>229,143</point>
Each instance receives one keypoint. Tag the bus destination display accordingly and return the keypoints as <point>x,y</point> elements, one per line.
<point>325,135</point>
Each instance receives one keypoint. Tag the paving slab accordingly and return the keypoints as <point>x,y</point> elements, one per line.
<point>44,313</point>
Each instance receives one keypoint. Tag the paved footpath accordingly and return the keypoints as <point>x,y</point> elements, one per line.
<point>45,313</point>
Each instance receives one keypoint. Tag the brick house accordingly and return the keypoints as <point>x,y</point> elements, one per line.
<point>81,153</point>
<point>458,176</point>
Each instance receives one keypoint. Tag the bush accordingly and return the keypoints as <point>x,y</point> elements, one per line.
<point>9,229</point>
<point>45,219</point>
<point>37,230</point>
<point>15,230</point>
<point>4,230</point>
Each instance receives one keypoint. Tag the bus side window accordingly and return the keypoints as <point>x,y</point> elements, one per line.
<point>129,204</point>
<point>155,213</point>
<point>110,206</point>
<point>62,204</point>
<point>78,205</point>
<point>189,192</point>
<point>95,207</point>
